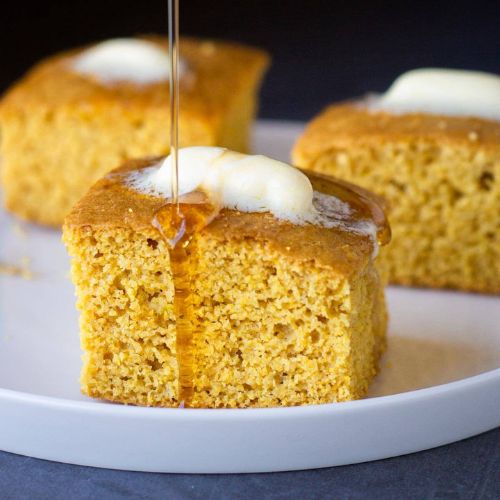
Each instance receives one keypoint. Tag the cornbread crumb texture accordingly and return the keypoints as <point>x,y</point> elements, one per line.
<point>278,322</point>
<point>271,331</point>
<point>441,177</point>
<point>125,297</point>
<point>278,332</point>
<point>61,131</point>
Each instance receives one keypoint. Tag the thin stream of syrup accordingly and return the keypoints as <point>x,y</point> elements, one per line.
<point>173,53</point>
<point>179,238</point>
<point>177,223</point>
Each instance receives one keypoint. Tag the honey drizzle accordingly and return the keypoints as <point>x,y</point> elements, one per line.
<point>180,234</point>
<point>177,227</point>
<point>173,55</point>
<point>177,223</point>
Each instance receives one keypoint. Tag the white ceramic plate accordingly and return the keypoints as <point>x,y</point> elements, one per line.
<point>440,381</point>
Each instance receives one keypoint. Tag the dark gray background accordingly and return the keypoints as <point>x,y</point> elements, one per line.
<point>323,51</point>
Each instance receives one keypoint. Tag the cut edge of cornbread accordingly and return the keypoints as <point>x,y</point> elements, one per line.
<point>127,324</point>
<point>280,331</point>
<point>274,330</point>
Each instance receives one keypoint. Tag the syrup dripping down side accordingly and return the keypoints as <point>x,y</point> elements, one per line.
<point>178,224</point>
<point>178,227</point>
<point>181,237</point>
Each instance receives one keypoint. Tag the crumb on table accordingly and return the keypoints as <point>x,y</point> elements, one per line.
<point>20,231</point>
<point>22,270</point>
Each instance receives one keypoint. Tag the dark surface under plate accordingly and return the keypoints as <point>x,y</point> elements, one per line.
<point>469,469</point>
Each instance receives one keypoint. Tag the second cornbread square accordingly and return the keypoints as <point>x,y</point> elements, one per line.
<point>63,130</point>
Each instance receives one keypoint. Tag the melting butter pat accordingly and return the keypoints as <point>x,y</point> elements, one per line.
<point>125,59</point>
<point>448,92</point>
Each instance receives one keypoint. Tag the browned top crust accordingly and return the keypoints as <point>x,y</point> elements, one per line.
<point>111,204</point>
<point>213,68</point>
<point>351,124</point>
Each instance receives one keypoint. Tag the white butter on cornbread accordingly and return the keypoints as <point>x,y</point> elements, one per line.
<point>126,59</point>
<point>448,92</point>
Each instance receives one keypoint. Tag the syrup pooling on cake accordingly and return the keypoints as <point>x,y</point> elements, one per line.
<point>181,226</point>
<point>356,209</point>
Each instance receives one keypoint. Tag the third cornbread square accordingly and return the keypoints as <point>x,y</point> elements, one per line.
<point>441,177</point>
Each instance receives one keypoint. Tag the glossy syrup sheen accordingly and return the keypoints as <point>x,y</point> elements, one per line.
<point>178,227</point>
<point>364,204</point>
<point>178,223</point>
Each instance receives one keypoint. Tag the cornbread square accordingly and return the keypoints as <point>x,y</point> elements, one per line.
<point>61,130</point>
<point>441,177</point>
<point>282,314</point>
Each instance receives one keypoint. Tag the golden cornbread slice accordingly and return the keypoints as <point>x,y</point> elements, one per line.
<point>62,130</point>
<point>283,314</point>
<point>441,177</point>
